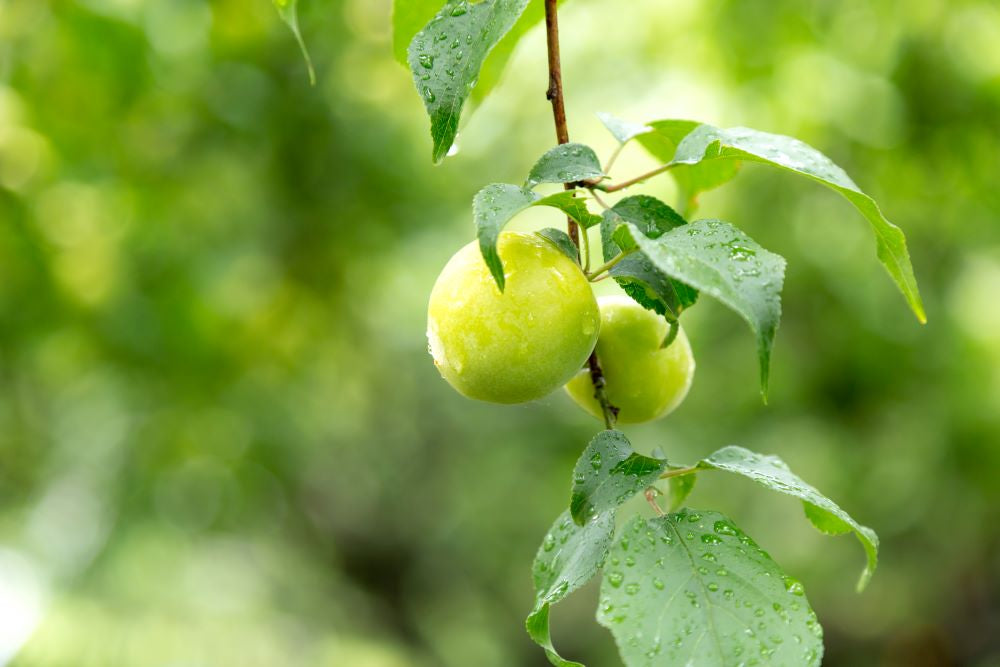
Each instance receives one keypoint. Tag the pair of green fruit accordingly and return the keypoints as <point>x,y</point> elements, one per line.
<point>536,336</point>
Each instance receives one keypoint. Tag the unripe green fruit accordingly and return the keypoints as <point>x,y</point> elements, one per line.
<point>520,344</point>
<point>643,380</point>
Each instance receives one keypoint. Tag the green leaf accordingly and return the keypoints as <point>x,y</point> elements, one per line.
<point>570,555</point>
<point>288,11</point>
<point>824,521</point>
<point>573,206</point>
<point>691,180</point>
<point>497,203</point>
<point>566,163</point>
<point>720,260</point>
<point>409,16</point>
<point>773,473</point>
<point>649,214</point>
<point>692,589</point>
<point>708,144</point>
<point>622,130</point>
<point>561,240</point>
<point>608,473</point>
<point>665,136</point>
<point>680,488</point>
<point>636,274</point>
<point>446,55</point>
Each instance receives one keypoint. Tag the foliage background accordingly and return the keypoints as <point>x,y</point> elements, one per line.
<point>222,441</point>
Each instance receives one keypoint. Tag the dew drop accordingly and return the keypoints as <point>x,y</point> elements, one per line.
<point>794,586</point>
<point>724,528</point>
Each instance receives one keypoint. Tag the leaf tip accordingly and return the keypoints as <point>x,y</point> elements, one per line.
<point>437,155</point>
<point>863,580</point>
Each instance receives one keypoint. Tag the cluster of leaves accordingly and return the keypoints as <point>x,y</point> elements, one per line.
<point>687,587</point>
<point>660,259</point>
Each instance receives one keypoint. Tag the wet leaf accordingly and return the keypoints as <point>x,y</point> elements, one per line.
<point>446,55</point>
<point>711,145</point>
<point>609,473</point>
<point>569,556</point>
<point>718,259</point>
<point>691,588</point>
<point>566,163</point>
<point>773,473</point>
<point>496,204</point>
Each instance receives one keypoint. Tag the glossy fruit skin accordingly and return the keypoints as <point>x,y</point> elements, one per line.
<point>519,345</point>
<point>643,380</point>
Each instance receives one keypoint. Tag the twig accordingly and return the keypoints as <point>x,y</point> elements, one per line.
<point>555,95</point>
<point>555,92</point>
<point>630,182</point>
<point>679,472</point>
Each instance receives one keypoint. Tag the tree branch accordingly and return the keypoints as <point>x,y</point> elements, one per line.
<point>555,95</point>
<point>555,92</point>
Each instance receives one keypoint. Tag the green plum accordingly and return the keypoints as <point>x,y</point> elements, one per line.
<point>643,380</point>
<point>523,343</point>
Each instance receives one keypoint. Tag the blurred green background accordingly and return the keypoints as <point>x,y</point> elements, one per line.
<point>222,441</point>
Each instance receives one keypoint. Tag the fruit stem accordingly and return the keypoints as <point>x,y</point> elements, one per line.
<point>555,95</point>
<point>610,412</point>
